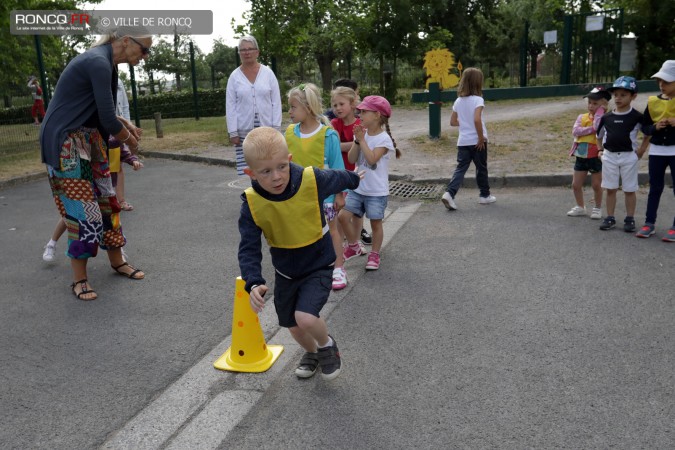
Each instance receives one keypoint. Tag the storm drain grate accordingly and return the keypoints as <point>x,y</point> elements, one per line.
<point>414,190</point>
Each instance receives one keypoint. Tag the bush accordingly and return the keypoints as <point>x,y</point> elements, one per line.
<point>14,115</point>
<point>181,104</point>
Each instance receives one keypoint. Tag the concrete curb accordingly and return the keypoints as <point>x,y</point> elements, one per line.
<point>506,180</point>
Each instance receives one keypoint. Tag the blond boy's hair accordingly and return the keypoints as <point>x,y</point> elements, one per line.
<point>263,143</point>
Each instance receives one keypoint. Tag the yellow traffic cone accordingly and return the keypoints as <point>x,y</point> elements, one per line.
<point>248,352</point>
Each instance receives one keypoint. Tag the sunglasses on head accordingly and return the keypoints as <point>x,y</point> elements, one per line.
<point>145,50</point>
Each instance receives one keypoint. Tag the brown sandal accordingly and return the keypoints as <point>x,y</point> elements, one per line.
<point>131,275</point>
<point>84,290</point>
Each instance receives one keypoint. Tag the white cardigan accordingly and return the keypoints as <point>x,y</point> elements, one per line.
<point>243,99</point>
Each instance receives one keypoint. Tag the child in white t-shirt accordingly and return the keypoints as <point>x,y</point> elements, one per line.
<point>370,152</point>
<point>467,114</point>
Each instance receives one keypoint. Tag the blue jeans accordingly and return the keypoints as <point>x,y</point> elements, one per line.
<point>657,179</point>
<point>466,154</point>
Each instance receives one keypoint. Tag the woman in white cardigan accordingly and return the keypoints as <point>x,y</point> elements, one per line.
<point>253,98</point>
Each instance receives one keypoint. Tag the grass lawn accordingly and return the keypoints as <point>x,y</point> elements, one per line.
<point>20,149</point>
<point>532,145</point>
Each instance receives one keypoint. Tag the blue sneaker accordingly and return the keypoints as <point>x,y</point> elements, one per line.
<point>646,231</point>
<point>608,223</point>
<point>629,225</point>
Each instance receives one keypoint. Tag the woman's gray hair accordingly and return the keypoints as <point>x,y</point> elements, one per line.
<point>112,36</point>
<point>250,39</point>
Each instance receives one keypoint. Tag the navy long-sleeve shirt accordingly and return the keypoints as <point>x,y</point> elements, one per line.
<point>296,262</point>
<point>664,136</point>
<point>83,96</point>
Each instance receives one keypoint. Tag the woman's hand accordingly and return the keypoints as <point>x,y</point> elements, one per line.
<point>235,140</point>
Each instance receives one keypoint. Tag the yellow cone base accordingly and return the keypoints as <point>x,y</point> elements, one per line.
<point>229,361</point>
<point>248,352</point>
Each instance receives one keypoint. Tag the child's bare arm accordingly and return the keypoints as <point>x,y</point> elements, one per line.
<point>478,123</point>
<point>454,121</point>
<point>355,149</point>
<point>578,130</point>
<point>643,147</point>
<point>374,155</point>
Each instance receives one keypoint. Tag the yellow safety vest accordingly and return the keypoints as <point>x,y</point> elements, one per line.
<point>291,223</point>
<point>660,108</point>
<point>586,121</point>
<point>307,151</point>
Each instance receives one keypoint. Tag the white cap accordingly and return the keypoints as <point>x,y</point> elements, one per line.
<point>667,72</point>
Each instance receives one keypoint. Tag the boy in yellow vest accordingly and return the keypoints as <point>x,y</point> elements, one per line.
<point>659,129</point>
<point>285,203</point>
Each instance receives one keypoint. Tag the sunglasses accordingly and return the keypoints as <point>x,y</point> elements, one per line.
<point>145,50</point>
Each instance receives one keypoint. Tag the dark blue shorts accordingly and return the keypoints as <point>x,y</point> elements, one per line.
<point>307,294</point>
<point>592,165</point>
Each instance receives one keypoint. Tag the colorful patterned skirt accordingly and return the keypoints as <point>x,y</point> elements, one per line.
<point>85,196</point>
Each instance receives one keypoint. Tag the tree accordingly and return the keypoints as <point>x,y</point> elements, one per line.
<point>221,60</point>
<point>653,30</point>
<point>317,28</point>
<point>171,57</point>
<point>19,51</point>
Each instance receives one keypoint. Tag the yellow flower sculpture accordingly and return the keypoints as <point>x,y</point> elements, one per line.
<point>440,64</point>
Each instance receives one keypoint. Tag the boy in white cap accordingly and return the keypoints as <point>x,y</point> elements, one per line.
<point>617,141</point>
<point>659,130</point>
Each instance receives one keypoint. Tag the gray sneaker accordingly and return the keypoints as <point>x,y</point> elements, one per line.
<point>629,225</point>
<point>308,365</point>
<point>330,361</point>
<point>608,223</point>
<point>646,231</point>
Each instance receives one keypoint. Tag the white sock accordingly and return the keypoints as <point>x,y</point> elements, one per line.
<point>328,344</point>
<point>51,243</point>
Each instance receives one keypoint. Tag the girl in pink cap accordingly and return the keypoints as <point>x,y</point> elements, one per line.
<point>371,152</point>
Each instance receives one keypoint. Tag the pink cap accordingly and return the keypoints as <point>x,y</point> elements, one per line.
<point>375,103</point>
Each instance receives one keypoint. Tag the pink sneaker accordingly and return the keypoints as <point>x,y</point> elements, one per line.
<point>373,261</point>
<point>339,278</point>
<point>352,251</point>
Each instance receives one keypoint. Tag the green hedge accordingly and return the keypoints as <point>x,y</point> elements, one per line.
<point>15,115</point>
<point>171,105</point>
<point>181,104</point>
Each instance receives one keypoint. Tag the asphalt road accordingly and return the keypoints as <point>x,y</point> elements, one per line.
<point>501,326</point>
<point>74,371</point>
